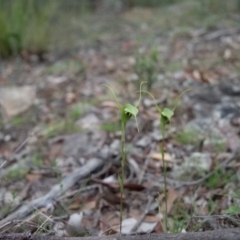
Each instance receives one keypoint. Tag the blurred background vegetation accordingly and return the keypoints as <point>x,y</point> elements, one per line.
<point>28,26</point>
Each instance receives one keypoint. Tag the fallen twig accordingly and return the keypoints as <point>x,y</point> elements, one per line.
<point>55,192</point>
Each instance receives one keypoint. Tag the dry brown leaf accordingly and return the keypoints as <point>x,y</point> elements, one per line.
<point>75,205</point>
<point>108,221</point>
<point>149,218</point>
<point>158,156</point>
<point>90,205</point>
<point>55,150</point>
<point>70,97</point>
<point>159,228</point>
<point>32,177</point>
<point>171,197</point>
<point>134,186</point>
<point>152,218</point>
<point>160,197</point>
<point>197,75</point>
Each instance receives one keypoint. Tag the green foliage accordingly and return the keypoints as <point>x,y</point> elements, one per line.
<point>128,110</point>
<point>24,25</point>
<point>18,120</point>
<point>37,160</point>
<point>147,67</point>
<point>219,146</point>
<point>6,209</point>
<point>153,3</point>
<point>165,116</point>
<point>56,169</point>
<point>188,136</point>
<point>17,173</point>
<point>75,113</point>
<point>71,67</point>
<point>23,119</point>
<point>180,219</point>
<point>56,128</point>
<point>111,127</point>
<point>126,113</point>
<point>235,208</point>
<point>220,178</point>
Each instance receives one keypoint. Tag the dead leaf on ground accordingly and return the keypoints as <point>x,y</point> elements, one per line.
<point>149,218</point>
<point>158,228</point>
<point>134,186</point>
<point>158,156</point>
<point>32,177</point>
<point>108,221</point>
<point>75,205</point>
<point>171,197</point>
<point>55,150</point>
<point>90,205</point>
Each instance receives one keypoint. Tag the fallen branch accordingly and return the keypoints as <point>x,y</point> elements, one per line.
<point>223,234</point>
<point>56,191</point>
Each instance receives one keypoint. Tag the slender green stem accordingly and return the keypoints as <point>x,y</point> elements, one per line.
<point>162,126</point>
<point>123,129</point>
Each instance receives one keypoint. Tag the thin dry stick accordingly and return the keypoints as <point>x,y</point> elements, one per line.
<point>46,220</point>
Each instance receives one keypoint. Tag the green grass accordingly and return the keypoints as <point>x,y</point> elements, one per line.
<point>37,160</point>
<point>153,3</point>
<point>111,127</point>
<point>173,67</point>
<point>26,118</point>
<point>220,178</point>
<point>60,127</point>
<point>77,110</point>
<point>219,146</point>
<point>18,120</point>
<point>188,137</point>
<point>70,67</point>
<point>147,67</point>
<point>75,113</point>
<point>234,209</point>
<point>17,173</point>
<point>24,25</point>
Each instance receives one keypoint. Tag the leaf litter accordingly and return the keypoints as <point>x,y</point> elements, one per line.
<point>66,178</point>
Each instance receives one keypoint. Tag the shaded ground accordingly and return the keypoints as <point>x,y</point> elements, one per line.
<point>74,122</point>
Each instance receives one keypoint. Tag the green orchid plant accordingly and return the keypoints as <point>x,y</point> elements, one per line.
<point>165,116</point>
<point>126,113</point>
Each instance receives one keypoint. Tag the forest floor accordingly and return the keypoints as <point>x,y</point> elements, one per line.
<point>60,138</point>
